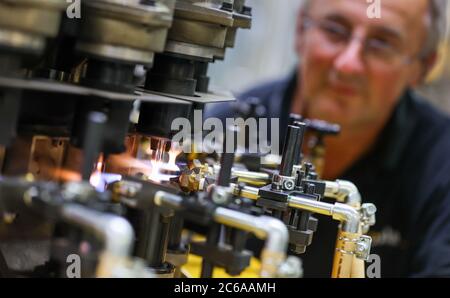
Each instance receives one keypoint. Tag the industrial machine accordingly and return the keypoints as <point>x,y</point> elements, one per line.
<point>88,169</point>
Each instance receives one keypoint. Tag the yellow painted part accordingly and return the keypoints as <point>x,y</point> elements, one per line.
<point>193,269</point>
<point>252,182</point>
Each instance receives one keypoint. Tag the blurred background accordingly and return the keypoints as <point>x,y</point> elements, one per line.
<point>266,52</point>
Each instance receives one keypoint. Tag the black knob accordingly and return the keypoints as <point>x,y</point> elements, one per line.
<point>292,149</point>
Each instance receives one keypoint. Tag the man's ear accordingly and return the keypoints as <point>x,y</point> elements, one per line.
<point>423,72</point>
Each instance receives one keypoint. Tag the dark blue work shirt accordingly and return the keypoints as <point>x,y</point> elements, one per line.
<point>406,175</point>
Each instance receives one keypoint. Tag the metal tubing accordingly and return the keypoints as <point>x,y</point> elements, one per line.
<point>93,142</point>
<point>272,230</point>
<point>114,231</point>
<point>251,175</point>
<point>348,215</point>
<point>247,192</point>
<point>344,192</point>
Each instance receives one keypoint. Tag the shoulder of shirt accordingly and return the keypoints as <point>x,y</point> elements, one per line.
<point>430,120</point>
<point>426,111</point>
<point>431,136</point>
<point>265,91</point>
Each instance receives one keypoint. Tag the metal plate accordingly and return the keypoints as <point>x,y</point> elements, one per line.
<point>57,87</point>
<point>214,96</point>
<point>242,21</point>
<point>203,12</point>
<point>191,50</point>
<point>117,52</point>
<point>157,15</point>
<point>159,98</point>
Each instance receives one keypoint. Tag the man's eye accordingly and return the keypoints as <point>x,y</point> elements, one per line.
<point>336,32</point>
<point>380,45</point>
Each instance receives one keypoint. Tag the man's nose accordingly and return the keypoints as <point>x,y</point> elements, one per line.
<point>350,60</point>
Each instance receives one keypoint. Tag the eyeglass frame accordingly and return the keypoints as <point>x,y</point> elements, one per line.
<point>308,22</point>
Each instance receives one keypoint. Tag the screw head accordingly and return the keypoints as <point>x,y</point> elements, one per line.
<point>361,246</point>
<point>289,184</point>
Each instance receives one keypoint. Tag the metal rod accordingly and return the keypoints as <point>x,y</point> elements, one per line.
<point>212,239</point>
<point>159,234</point>
<point>251,175</point>
<point>93,142</point>
<point>346,214</point>
<point>246,174</point>
<point>226,163</point>
<point>247,192</point>
<point>272,230</point>
<point>176,232</point>
<point>292,149</point>
<point>114,231</point>
<point>344,192</point>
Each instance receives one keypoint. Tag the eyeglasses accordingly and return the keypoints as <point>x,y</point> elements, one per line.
<point>379,49</point>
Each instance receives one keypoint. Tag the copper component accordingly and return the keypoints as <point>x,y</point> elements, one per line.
<point>195,178</point>
<point>40,156</point>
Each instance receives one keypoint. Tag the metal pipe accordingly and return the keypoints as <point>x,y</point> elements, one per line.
<point>248,192</point>
<point>251,175</point>
<point>345,263</point>
<point>341,212</point>
<point>246,174</point>
<point>114,231</point>
<point>224,176</point>
<point>93,142</point>
<point>227,159</point>
<point>155,252</point>
<point>346,214</point>
<point>212,239</point>
<point>272,230</point>
<point>344,192</point>
<point>169,200</point>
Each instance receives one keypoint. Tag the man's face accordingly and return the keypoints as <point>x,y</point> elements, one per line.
<point>354,68</point>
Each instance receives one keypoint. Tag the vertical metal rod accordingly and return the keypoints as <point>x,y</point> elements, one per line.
<point>227,160</point>
<point>212,239</point>
<point>292,149</point>
<point>93,142</point>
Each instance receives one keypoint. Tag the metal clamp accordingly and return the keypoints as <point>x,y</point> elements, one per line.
<point>283,183</point>
<point>361,248</point>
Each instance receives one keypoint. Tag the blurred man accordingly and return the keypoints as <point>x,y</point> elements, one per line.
<point>360,72</point>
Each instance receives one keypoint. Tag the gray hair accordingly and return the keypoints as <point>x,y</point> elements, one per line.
<point>437,31</point>
<point>438,26</point>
